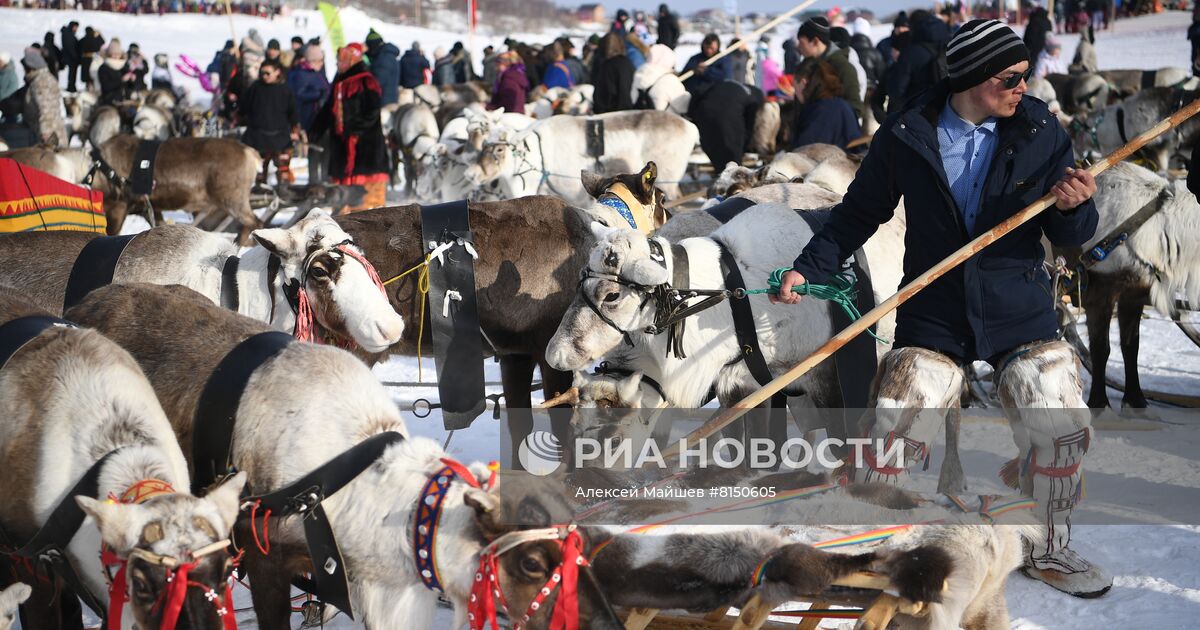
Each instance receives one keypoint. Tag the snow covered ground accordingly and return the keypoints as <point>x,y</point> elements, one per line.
<point>1157,582</point>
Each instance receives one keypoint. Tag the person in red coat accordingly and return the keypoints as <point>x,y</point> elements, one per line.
<point>512,86</point>
<point>359,152</point>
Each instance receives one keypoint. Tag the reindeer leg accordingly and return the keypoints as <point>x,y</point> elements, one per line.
<point>1098,303</point>
<point>116,211</point>
<point>1129,321</point>
<point>951,480</point>
<point>554,382</point>
<point>516,376</point>
<point>270,579</point>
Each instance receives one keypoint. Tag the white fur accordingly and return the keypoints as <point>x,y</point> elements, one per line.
<point>761,239</point>
<point>545,158</point>
<point>73,414</point>
<point>1165,244</point>
<point>371,516</point>
<point>10,599</point>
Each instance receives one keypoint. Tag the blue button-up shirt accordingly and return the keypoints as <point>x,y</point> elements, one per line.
<point>967,152</point>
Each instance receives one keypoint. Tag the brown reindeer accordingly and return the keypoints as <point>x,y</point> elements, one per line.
<point>530,253</point>
<point>209,177</point>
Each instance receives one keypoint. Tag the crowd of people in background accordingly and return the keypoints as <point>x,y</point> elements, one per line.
<point>155,7</point>
<point>833,77</point>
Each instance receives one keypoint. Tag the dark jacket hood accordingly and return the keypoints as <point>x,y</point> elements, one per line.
<point>932,31</point>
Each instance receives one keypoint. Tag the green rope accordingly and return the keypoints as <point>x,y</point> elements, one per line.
<point>840,292</point>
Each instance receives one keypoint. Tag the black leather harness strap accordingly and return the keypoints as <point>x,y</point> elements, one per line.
<point>94,267</point>
<point>730,208</point>
<point>216,411</point>
<point>304,498</point>
<point>141,175</point>
<point>14,334</point>
<point>229,288</point>
<point>1119,234</point>
<point>457,338</point>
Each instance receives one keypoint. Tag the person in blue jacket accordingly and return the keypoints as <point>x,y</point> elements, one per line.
<point>708,73</point>
<point>385,65</point>
<point>966,155</point>
<point>413,66</point>
<point>557,73</point>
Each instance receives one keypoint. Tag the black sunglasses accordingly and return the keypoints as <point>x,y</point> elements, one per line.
<point>1011,81</point>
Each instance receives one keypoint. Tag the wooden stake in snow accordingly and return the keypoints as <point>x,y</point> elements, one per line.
<point>922,281</point>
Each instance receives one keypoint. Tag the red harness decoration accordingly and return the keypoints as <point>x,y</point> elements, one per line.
<point>486,593</point>
<point>306,321</point>
<point>177,576</point>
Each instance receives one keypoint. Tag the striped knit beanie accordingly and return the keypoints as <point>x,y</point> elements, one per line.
<point>980,50</point>
<point>815,28</point>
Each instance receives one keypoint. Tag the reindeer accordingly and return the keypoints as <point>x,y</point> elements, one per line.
<point>1104,131</point>
<point>544,157</point>
<point>315,256</point>
<point>1154,265</point>
<point>441,172</point>
<point>307,405</point>
<point>413,133</point>
<point>75,400</point>
<point>209,177</point>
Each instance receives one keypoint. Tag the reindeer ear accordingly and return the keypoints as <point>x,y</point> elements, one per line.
<point>601,231</point>
<point>647,177</point>
<point>277,240</point>
<point>118,522</point>
<point>226,498</point>
<point>645,272</point>
<point>627,389</point>
<point>592,183</point>
<point>487,510</point>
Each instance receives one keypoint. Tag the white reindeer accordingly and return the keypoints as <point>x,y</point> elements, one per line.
<point>315,257</point>
<point>72,398</point>
<point>545,157</point>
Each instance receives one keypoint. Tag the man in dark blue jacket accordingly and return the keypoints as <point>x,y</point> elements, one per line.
<point>385,65</point>
<point>965,156</point>
<point>413,66</point>
<point>708,73</point>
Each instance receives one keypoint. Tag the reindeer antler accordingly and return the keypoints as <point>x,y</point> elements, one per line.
<point>569,397</point>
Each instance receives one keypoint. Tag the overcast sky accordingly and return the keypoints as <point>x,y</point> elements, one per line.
<point>684,7</point>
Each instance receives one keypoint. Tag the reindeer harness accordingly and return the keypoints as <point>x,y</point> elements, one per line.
<point>177,570</point>
<point>94,267</point>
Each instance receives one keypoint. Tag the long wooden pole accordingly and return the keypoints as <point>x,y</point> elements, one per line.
<point>922,281</point>
<point>758,31</point>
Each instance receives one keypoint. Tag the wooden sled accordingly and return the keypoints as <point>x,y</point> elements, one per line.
<point>863,591</point>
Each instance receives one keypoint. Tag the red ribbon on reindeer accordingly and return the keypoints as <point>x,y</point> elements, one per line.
<point>485,592</point>
<point>306,321</point>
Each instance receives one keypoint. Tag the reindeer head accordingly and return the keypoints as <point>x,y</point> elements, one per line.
<point>607,389</point>
<point>10,598</point>
<point>613,300</point>
<point>173,545</point>
<point>493,159</point>
<point>321,262</point>
<point>524,525</point>
<point>640,186</point>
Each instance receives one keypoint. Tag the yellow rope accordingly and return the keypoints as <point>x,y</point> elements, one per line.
<point>423,288</point>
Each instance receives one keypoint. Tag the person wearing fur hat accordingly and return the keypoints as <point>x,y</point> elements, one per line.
<point>43,101</point>
<point>359,153</point>
<point>115,77</point>
<point>966,155</point>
